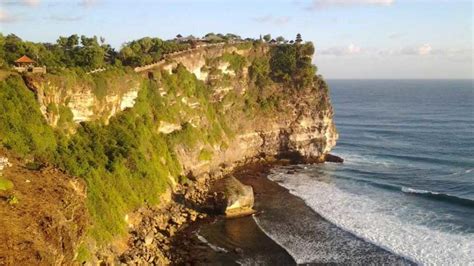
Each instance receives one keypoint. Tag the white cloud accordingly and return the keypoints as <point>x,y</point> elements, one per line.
<point>274,20</point>
<point>32,2</point>
<point>318,4</point>
<point>422,50</point>
<point>88,3</point>
<point>5,17</point>
<point>395,35</point>
<point>425,49</point>
<point>351,49</point>
<point>20,2</point>
<point>64,18</point>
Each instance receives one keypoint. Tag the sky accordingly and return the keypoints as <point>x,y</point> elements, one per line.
<point>354,39</point>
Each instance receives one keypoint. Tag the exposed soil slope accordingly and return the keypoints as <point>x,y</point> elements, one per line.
<point>45,225</point>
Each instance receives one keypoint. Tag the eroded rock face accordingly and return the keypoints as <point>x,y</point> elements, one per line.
<point>167,128</point>
<point>81,101</point>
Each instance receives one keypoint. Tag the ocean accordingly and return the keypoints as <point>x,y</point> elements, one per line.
<point>407,182</point>
<point>404,194</point>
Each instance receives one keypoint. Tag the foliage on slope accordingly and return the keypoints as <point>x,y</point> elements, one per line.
<point>22,126</point>
<point>128,162</point>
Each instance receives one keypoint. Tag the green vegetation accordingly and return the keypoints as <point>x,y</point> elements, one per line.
<point>5,184</point>
<point>259,72</point>
<point>267,37</point>
<point>83,254</point>
<point>12,200</point>
<point>219,37</point>
<point>34,166</point>
<point>236,61</point>
<point>127,162</point>
<point>23,128</point>
<point>291,63</point>
<point>205,155</point>
<point>72,51</point>
<point>89,53</point>
<point>124,163</point>
<point>244,45</point>
<point>65,117</point>
<point>148,50</point>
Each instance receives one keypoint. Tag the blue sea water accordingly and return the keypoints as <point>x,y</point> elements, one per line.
<point>407,183</point>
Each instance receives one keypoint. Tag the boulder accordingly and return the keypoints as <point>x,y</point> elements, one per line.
<point>233,198</point>
<point>149,239</point>
<point>333,158</point>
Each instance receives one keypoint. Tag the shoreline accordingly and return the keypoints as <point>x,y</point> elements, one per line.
<point>230,240</point>
<point>250,239</point>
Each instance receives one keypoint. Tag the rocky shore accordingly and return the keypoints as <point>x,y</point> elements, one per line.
<point>161,234</point>
<point>167,234</point>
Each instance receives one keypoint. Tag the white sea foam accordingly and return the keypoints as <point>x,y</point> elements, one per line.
<point>383,218</point>
<point>213,247</point>
<point>418,191</point>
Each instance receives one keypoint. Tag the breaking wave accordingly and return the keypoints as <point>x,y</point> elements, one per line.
<point>387,218</point>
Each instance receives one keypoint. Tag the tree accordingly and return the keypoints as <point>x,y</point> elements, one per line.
<point>179,36</point>
<point>298,38</point>
<point>231,36</point>
<point>259,72</point>
<point>267,37</point>
<point>307,49</point>
<point>86,41</point>
<point>280,39</point>
<point>72,41</point>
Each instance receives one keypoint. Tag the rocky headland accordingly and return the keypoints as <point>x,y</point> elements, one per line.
<point>157,148</point>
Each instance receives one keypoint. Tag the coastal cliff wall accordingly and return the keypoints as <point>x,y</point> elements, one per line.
<point>307,126</point>
<point>134,137</point>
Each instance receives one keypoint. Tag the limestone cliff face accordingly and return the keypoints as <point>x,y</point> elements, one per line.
<point>308,132</point>
<point>79,102</point>
<point>306,129</point>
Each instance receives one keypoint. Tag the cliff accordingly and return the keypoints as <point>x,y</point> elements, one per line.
<point>134,136</point>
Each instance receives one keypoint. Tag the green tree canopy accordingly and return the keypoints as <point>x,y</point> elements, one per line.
<point>267,37</point>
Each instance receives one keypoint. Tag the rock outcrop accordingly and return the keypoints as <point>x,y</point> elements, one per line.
<point>232,198</point>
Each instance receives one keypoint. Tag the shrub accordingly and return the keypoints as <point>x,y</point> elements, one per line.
<point>5,184</point>
<point>35,166</point>
<point>259,72</point>
<point>236,61</point>
<point>12,200</point>
<point>205,155</point>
